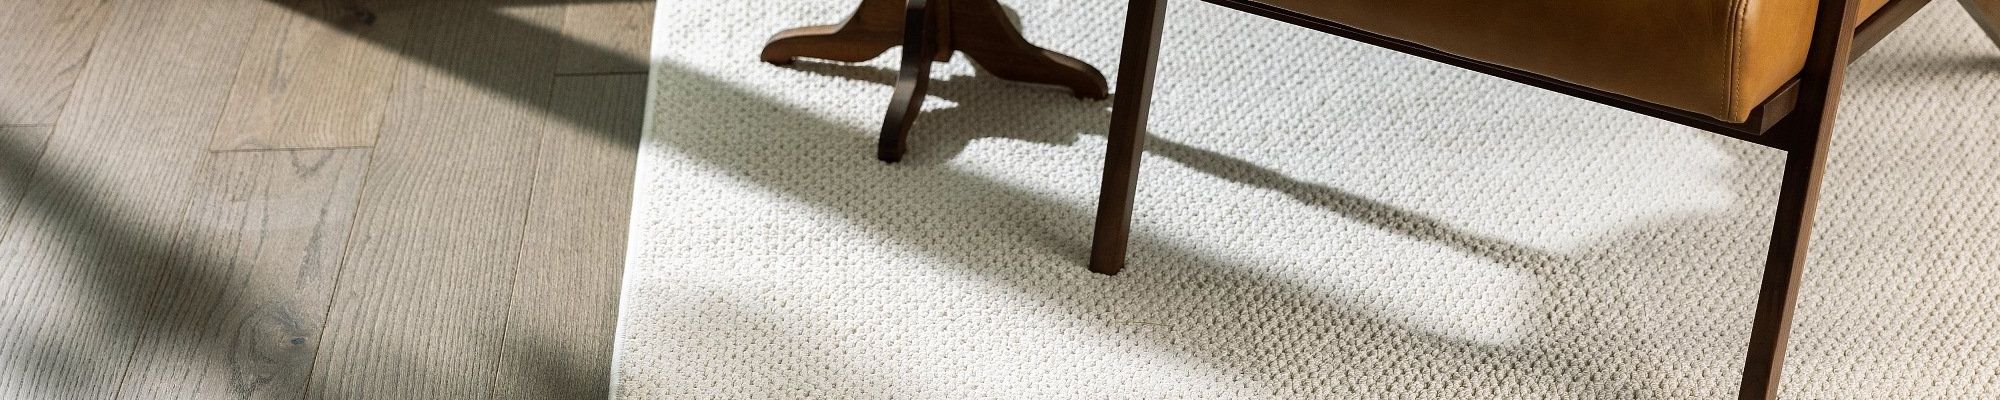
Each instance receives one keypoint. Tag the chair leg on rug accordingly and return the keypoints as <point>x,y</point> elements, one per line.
<point>918,33</point>
<point>1987,13</point>
<point>1128,134</point>
<point>1806,134</point>
<point>1783,265</point>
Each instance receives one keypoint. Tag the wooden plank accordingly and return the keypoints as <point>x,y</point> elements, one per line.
<point>1987,14</point>
<point>607,37</point>
<point>97,224</point>
<point>565,304</point>
<point>240,306</point>
<point>44,47</point>
<point>20,147</point>
<point>423,293</point>
<point>315,74</point>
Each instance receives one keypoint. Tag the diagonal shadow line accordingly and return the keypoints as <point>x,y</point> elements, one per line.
<point>549,372</point>
<point>1093,120</point>
<point>1387,217</point>
<point>101,216</point>
<point>120,244</point>
<point>125,244</point>
<point>15,171</point>
<point>740,157</point>
<point>356,16</point>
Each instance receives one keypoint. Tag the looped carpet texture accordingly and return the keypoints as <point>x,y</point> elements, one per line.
<point>1317,219</point>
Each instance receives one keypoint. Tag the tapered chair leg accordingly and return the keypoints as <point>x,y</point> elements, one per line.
<point>1784,264</point>
<point>1128,134</point>
<point>1807,135</point>
<point>919,33</point>
<point>1987,13</point>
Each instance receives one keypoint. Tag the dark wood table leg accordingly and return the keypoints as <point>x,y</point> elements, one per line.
<point>983,32</point>
<point>911,82</point>
<point>1128,135</point>
<point>979,28</point>
<point>875,26</point>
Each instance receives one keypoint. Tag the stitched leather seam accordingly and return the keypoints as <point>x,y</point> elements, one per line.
<point>1738,19</point>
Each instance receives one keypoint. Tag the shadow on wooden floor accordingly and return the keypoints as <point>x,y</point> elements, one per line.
<point>275,357</point>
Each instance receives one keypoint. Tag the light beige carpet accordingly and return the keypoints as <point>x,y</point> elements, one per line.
<point>1317,219</point>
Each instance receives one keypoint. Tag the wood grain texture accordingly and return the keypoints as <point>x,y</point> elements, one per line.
<point>565,303</point>
<point>608,37</point>
<point>315,74</point>
<point>1987,14</point>
<point>45,45</point>
<point>20,148</point>
<point>96,227</point>
<point>240,307</point>
<point>424,291</point>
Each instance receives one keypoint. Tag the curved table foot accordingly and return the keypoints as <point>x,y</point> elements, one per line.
<point>1011,57</point>
<point>875,26</point>
<point>931,30</point>
<point>910,83</point>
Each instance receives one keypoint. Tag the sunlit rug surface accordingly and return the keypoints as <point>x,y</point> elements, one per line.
<point>1316,219</point>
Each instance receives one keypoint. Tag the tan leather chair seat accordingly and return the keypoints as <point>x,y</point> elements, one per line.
<point>1719,58</point>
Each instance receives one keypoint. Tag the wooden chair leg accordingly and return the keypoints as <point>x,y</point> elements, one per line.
<point>1987,13</point>
<point>1806,136</point>
<point>1128,134</point>
<point>1797,197</point>
<point>919,32</point>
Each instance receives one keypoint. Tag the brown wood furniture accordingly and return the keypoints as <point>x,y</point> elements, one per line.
<point>1796,118</point>
<point>1796,115</point>
<point>931,30</point>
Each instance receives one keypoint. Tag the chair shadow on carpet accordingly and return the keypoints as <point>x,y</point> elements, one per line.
<point>1061,122</point>
<point>1572,348</point>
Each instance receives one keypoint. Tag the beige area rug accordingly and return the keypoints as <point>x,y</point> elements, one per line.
<point>1317,219</point>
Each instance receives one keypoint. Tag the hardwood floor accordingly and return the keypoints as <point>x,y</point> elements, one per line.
<point>44,43</point>
<point>315,198</point>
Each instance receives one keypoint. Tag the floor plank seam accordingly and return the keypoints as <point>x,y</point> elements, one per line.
<point>105,17</point>
<point>527,213</point>
<point>215,126</point>
<point>171,259</point>
<point>401,45</point>
<point>180,224</point>
<point>339,270</point>
<point>41,154</point>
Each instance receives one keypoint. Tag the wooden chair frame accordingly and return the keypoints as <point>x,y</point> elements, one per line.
<point>1798,119</point>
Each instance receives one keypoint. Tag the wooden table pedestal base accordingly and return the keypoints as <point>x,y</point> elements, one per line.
<point>932,30</point>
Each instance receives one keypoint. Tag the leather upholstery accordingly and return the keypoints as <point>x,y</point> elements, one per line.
<point>1720,58</point>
